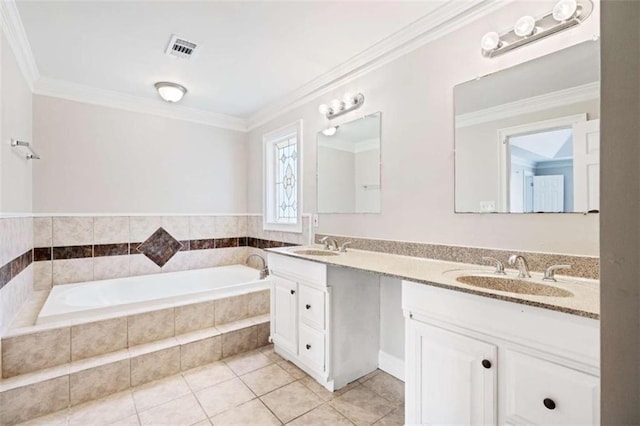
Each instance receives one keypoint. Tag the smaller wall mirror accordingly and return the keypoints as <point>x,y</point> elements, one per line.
<point>348,179</point>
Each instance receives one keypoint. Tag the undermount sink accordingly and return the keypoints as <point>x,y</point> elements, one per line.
<point>316,252</point>
<point>512,285</point>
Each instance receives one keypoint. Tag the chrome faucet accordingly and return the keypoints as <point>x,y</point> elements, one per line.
<point>343,247</point>
<point>264,272</point>
<point>523,266</point>
<point>329,242</point>
<point>550,273</point>
<point>499,265</point>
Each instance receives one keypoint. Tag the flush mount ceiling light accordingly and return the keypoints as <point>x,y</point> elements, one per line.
<point>564,15</point>
<point>170,92</point>
<point>330,131</point>
<point>339,107</point>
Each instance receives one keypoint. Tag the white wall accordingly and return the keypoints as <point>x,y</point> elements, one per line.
<point>103,160</point>
<point>15,107</point>
<point>415,95</point>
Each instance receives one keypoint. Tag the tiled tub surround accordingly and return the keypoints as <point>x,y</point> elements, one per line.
<point>71,249</point>
<point>54,367</point>
<point>581,266</point>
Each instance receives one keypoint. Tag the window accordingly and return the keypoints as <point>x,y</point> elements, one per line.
<point>283,187</point>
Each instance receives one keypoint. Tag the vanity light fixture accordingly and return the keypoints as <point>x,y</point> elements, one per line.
<point>170,92</point>
<point>564,15</point>
<point>338,107</point>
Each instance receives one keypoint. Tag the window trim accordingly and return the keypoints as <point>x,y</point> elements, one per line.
<point>269,139</point>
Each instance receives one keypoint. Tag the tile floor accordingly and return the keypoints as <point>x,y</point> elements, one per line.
<point>254,388</point>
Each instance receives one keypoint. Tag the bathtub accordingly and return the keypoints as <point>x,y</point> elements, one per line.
<point>85,301</point>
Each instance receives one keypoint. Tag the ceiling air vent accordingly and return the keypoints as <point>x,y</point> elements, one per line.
<point>180,48</point>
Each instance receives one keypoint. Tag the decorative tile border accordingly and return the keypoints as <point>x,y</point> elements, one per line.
<point>581,266</point>
<point>12,268</point>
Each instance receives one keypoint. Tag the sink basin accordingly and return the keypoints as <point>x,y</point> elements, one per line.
<point>512,285</point>
<point>316,253</point>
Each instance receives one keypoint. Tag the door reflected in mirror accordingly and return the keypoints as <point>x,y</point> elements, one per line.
<point>527,138</point>
<point>348,155</point>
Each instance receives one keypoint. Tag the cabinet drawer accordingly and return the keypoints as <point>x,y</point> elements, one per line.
<point>311,348</point>
<point>542,392</point>
<point>311,306</point>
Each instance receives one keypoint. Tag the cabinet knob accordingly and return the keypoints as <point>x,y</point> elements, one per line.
<point>486,363</point>
<point>308,306</point>
<point>308,347</point>
<point>549,403</point>
<point>293,292</point>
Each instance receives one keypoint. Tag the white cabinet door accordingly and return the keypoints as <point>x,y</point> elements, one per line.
<point>446,380</point>
<point>284,313</point>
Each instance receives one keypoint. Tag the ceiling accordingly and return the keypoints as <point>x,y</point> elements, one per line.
<point>544,146</point>
<point>249,55</point>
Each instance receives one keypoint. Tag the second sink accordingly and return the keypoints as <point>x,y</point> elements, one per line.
<point>311,252</point>
<point>512,285</point>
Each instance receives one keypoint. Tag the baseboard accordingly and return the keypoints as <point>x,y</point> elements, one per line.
<point>391,364</point>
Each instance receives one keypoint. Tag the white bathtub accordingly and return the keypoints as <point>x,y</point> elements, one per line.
<point>96,298</point>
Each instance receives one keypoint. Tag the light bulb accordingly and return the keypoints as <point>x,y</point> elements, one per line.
<point>336,105</point>
<point>490,41</point>
<point>330,131</point>
<point>323,109</point>
<point>564,9</point>
<point>348,99</point>
<point>525,26</point>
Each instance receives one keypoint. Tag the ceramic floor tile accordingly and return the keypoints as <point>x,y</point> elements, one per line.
<point>60,418</point>
<point>127,421</point>
<point>246,362</point>
<point>159,392</point>
<point>223,396</point>
<point>362,406</point>
<point>395,418</point>
<point>292,369</point>
<point>267,379</point>
<point>324,415</point>
<point>205,422</point>
<point>387,387</point>
<point>270,353</point>
<point>250,413</point>
<point>291,401</point>
<point>208,375</point>
<point>182,411</point>
<point>318,389</point>
<point>369,376</point>
<point>103,411</point>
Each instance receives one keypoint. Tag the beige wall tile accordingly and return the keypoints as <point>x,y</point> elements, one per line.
<point>72,231</point>
<point>99,382</point>
<point>181,261</point>
<point>110,267</point>
<point>200,352</point>
<point>201,227</point>
<point>263,331</point>
<point>68,271</point>
<point>141,227</point>
<point>42,232</point>
<point>139,264</point>
<point>42,275</point>
<point>28,402</point>
<point>239,341</point>
<point>194,317</point>
<point>228,226</point>
<point>35,351</point>
<point>151,326</point>
<point>155,365</point>
<point>177,226</point>
<point>97,338</point>
<point>258,303</point>
<point>230,309</point>
<point>110,229</point>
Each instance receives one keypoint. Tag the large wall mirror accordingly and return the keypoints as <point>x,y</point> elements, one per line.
<point>527,139</point>
<point>349,167</point>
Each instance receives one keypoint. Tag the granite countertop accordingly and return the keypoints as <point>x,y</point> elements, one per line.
<point>585,301</point>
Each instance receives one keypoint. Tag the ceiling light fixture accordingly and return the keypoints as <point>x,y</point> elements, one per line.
<point>330,131</point>
<point>170,92</point>
<point>564,15</point>
<point>339,107</point>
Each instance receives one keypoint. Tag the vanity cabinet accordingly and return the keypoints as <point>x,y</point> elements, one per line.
<point>325,320</point>
<point>476,360</point>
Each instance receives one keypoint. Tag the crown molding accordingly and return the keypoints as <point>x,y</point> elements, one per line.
<point>109,98</point>
<point>17,37</point>
<point>555,99</point>
<point>440,22</point>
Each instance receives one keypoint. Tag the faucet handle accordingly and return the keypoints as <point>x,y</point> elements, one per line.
<point>550,273</point>
<point>499,265</point>
<point>343,247</point>
<point>325,241</point>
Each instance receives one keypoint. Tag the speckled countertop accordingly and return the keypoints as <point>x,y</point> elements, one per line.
<point>585,301</point>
